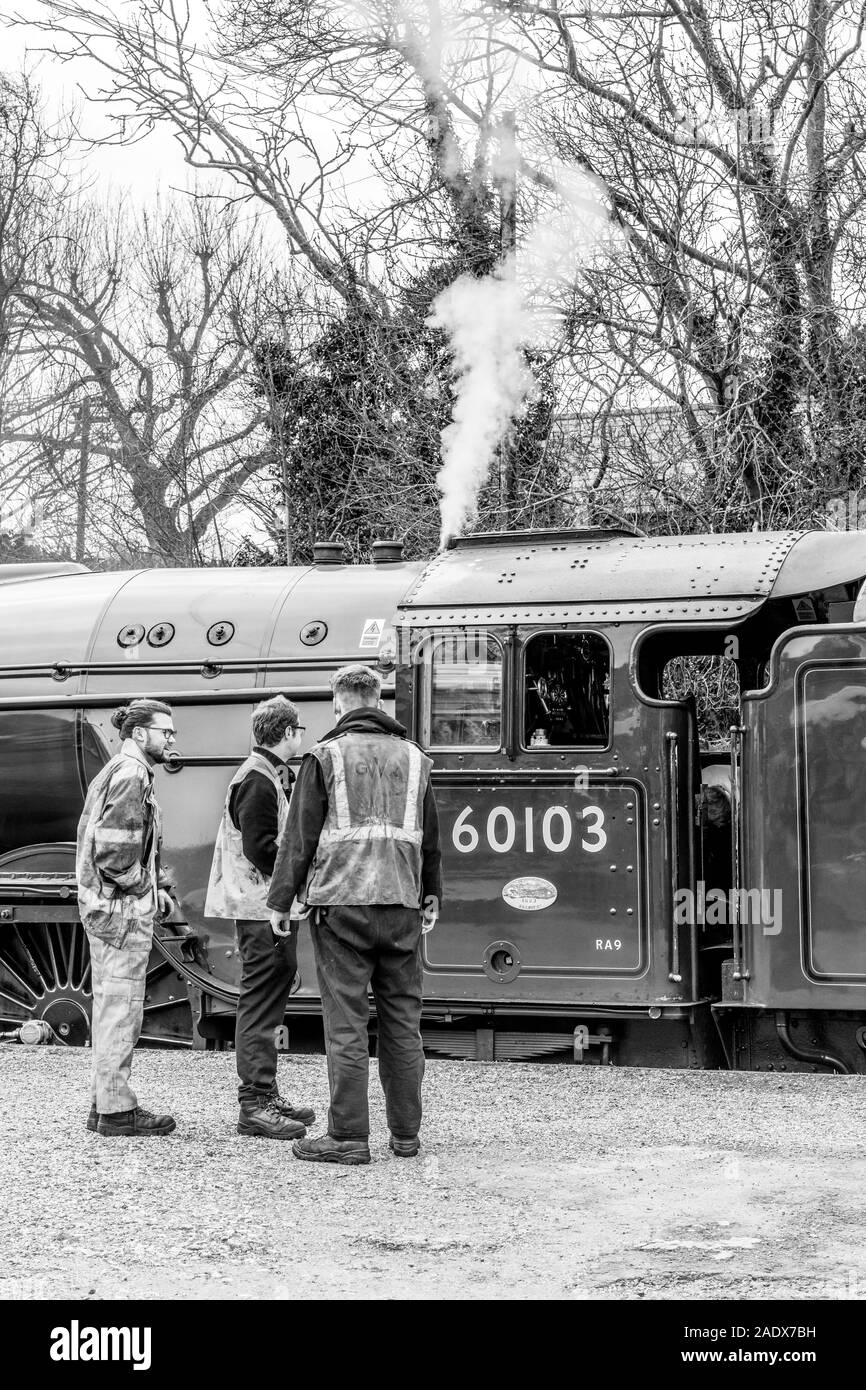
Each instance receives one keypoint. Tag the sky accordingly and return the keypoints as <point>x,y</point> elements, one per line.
<point>158,161</point>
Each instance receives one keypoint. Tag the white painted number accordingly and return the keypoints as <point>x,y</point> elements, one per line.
<point>551,814</point>
<point>556,830</point>
<point>465,837</point>
<point>501,846</point>
<point>594,829</point>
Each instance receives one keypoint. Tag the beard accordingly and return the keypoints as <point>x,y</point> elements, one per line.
<point>156,755</point>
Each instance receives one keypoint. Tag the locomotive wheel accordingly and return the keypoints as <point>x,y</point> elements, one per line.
<point>45,974</point>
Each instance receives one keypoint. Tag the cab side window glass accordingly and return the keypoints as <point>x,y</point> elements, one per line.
<point>464,692</point>
<point>566,697</point>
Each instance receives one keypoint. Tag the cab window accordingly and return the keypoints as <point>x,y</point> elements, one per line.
<point>566,691</point>
<point>464,692</point>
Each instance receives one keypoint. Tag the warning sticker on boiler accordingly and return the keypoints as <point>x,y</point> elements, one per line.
<point>372,633</point>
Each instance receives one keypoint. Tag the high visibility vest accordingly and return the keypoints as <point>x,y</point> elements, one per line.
<point>369,850</point>
<point>236,888</point>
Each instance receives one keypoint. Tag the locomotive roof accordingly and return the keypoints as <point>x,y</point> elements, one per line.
<point>611,576</point>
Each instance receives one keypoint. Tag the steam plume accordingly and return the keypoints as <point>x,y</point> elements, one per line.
<point>490,321</point>
<point>486,322</point>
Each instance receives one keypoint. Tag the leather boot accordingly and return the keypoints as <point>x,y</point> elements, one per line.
<point>269,1123</point>
<point>327,1149</point>
<point>404,1148</point>
<point>137,1123</point>
<point>302,1113</point>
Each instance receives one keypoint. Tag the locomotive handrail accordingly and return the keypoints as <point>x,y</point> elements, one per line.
<point>737,731</point>
<point>227,696</point>
<point>509,711</point>
<point>673,770</point>
<point>62,670</point>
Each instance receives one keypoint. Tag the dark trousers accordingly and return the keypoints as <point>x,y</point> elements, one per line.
<point>378,948</point>
<point>269,964</point>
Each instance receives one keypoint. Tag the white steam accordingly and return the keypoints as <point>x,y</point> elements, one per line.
<point>486,322</point>
<point>491,321</point>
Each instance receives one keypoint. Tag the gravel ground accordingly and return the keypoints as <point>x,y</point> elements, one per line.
<point>535,1182</point>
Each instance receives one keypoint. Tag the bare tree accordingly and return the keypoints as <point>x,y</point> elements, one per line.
<point>730,141</point>
<point>140,334</point>
<point>27,165</point>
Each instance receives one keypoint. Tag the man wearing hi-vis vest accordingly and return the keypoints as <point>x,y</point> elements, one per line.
<point>361,850</point>
<point>254,816</point>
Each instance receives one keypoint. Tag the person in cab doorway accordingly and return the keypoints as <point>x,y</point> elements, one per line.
<point>121,889</point>
<point>361,850</point>
<point>254,816</point>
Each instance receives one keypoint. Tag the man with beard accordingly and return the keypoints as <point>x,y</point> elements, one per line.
<point>121,889</point>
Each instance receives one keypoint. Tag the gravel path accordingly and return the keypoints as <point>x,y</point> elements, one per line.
<point>535,1182</point>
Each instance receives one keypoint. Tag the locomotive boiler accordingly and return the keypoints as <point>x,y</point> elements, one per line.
<point>594,907</point>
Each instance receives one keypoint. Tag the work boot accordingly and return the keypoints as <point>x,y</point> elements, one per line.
<point>137,1123</point>
<point>92,1119</point>
<point>404,1148</point>
<point>327,1149</point>
<point>302,1113</point>
<point>267,1122</point>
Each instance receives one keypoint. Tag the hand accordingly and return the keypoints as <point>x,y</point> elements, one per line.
<point>280,925</point>
<point>165,904</point>
<point>299,911</point>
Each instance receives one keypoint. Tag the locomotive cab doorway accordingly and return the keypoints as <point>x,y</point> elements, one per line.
<point>697,670</point>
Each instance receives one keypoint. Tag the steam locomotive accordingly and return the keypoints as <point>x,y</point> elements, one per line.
<point>616,890</point>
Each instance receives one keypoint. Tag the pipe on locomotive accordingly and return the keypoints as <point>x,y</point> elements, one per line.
<point>805,1054</point>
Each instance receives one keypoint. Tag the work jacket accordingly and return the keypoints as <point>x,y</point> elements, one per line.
<point>362,825</point>
<point>117,860</point>
<point>237,888</point>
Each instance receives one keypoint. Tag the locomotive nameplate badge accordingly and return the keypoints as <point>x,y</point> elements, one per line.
<point>530,894</point>
<point>371,634</point>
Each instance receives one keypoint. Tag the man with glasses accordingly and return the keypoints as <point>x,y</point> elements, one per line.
<point>254,816</point>
<point>121,889</point>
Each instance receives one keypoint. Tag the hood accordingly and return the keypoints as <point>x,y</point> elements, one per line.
<point>365,721</point>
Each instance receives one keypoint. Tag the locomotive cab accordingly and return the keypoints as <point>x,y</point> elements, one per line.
<point>586,700</point>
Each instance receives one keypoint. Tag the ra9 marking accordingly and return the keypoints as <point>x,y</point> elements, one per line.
<point>555,832</point>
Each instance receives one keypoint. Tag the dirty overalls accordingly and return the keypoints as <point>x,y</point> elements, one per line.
<point>118,873</point>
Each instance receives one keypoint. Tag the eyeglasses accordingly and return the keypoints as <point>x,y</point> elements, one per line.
<point>168,734</point>
<point>296,729</point>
